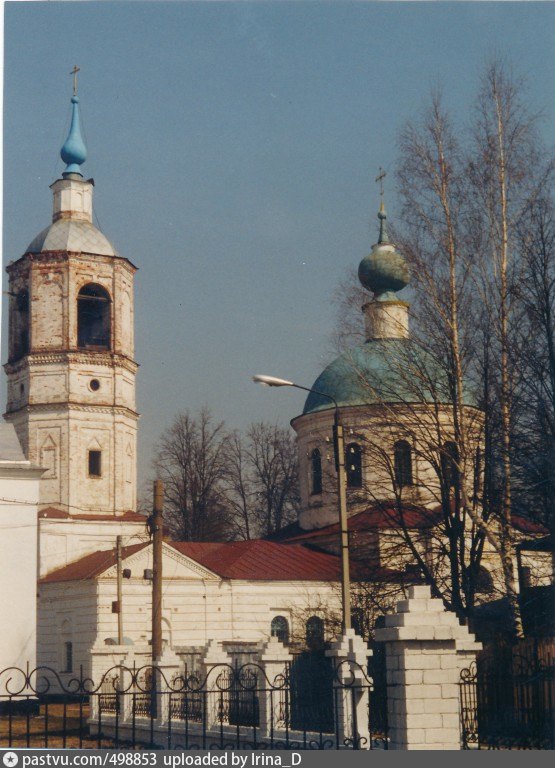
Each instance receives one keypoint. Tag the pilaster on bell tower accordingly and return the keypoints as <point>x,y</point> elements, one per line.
<point>71,368</point>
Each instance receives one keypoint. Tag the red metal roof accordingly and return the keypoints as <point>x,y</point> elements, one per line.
<point>255,560</point>
<point>381,516</point>
<point>90,566</point>
<point>260,560</point>
<point>387,516</point>
<point>524,525</point>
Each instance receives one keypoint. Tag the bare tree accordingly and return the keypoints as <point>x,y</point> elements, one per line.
<point>272,456</point>
<point>240,491</point>
<point>533,444</point>
<point>506,176</point>
<point>463,202</point>
<point>191,460</point>
<point>348,298</point>
<point>434,198</point>
<point>221,486</point>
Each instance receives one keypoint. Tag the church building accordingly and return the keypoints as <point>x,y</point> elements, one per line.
<point>71,399</point>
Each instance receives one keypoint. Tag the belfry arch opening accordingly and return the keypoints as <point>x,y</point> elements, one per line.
<point>93,317</point>
<point>20,324</point>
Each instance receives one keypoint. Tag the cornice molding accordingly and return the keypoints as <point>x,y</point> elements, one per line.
<point>68,257</point>
<point>188,562</point>
<point>72,406</point>
<point>79,357</point>
<point>373,411</point>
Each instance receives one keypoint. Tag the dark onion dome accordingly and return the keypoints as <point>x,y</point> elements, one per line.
<point>384,271</point>
<point>383,371</point>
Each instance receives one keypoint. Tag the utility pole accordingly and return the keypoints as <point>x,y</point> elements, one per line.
<point>119,589</point>
<point>156,527</point>
<point>339,451</point>
<point>339,448</point>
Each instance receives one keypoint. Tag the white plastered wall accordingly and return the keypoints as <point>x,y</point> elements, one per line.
<point>19,494</point>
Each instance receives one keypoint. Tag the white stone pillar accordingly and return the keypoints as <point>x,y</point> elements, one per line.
<point>426,649</point>
<point>351,689</point>
<point>109,662</point>
<point>273,689</point>
<point>126,687</point>
<point>168,667</point>
<point>215,664</point>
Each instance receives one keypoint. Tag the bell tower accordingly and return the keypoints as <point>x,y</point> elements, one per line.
<point>71,368</point>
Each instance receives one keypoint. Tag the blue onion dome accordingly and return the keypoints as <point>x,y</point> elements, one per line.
<point>384,271</point>
<point>74,151</point>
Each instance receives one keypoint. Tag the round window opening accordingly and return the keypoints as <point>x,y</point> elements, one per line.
<point>94,384</point>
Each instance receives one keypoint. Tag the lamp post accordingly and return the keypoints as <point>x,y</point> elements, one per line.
<point>339,450</point>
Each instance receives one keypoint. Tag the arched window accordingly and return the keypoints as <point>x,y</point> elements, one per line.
<point>280,628</point>
<point>93,317</point>
<point>68,656</point>
<point>66,646</point>
<point>449,462</point>
<point>402,460</point>
<point>353,465</point>
<point>484,581</point>
<point>315,633</point>
<point>316,471</point>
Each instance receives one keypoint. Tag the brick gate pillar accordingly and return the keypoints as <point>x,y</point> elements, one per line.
<point>426,649</point>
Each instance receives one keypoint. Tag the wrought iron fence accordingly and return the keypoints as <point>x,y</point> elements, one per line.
<point>508,699</point>
<point>227,706</point>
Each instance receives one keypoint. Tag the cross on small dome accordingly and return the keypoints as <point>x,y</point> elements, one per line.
<point>384,271</point>
<point>74,151</point>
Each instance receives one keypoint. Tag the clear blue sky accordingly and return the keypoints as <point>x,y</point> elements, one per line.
<point>234,148</point>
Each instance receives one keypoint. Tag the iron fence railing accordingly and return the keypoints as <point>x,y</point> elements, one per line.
<point>508,699</point>
<point>311,704</point>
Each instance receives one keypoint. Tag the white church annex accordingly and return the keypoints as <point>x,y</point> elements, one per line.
<point>19,496</point>
<point>71,400</point>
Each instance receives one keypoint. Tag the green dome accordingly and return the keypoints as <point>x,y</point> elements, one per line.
<point>393,370</point>
<point>384,271</point>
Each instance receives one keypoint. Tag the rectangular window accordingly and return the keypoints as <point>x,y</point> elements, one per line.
<point>68,653</point>
<point>95,463</point>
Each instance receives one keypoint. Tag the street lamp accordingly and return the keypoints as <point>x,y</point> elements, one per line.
<point>339,450</point>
